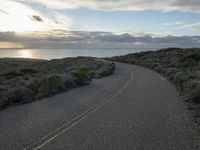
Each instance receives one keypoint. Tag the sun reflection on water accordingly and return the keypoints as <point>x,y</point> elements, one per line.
<point>26,53</point>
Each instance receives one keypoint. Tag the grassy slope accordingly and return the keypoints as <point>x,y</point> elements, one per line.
<point>25,80</point>
<point>180,66</point>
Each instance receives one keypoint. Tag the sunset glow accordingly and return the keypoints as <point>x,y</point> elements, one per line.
<point>25,54</point>
<point>151,24</point>
<point>18,17</point>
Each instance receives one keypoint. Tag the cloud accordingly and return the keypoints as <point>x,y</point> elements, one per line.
<point>36,18</point>
<point>182,25</point>
<point>191,26</point>
<point>177,23</point>
<point>81,39</point>
<point>122,5</point>
<point>4,12</point>
<point>60,22</point>
<point>19,17</point>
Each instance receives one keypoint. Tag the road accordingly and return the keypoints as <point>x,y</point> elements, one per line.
<point>133,109</point>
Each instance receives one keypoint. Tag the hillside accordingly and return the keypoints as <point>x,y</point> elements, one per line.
<point>25,80</point>
<point>180,66</point>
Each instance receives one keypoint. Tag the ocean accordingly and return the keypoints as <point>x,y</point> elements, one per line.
<point>62,53</point>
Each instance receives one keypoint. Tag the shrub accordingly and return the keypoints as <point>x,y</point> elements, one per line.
<point>190,57</point>
<point>82,75</point>
<point>181,66</point>
<point>4,101</point>
<point>2,88</point>
<point>195,97</point>
<point>11,75</point>
<point>29,81</point>
<point>179,79</point>
<point>50,85</point>
<point>69,80</point>
<point>28,71</point>
<point>130,61</point>
<point>20,95</point>
<point>109,69</point>
<point>106,70</point>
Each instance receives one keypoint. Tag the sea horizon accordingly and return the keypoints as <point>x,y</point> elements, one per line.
<point>52,53</point>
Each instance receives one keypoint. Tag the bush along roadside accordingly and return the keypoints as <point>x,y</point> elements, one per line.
<point>180,66</point>
<point>48,78</point>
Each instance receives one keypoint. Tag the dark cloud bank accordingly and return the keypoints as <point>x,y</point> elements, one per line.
<point>78,39</point>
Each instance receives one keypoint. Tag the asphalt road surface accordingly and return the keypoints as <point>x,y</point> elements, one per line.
<point>133,109</point>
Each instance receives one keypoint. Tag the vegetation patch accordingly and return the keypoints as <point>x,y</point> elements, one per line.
<point>26,80</point>
<point>50,86</point>
<point>28,71</point>
<point>180,66</point>
<point>10,75</point>
<point>83,75</point>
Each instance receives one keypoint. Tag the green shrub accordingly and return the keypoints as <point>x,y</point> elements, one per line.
<point>4,101</point>
<point>11,75</point>
<point>195,96</point>
<point>25,81</point>
<point>2,88</point>
<point>28,71</point>
<point>180,79</point>
<point>107,70</point>
<point>20,95</point>
<point>82,75</point>
<point>50,86</point>
<point>190,57</point>
<point>130,61</point>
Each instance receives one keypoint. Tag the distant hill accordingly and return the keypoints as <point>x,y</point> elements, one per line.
<point>180,66</point>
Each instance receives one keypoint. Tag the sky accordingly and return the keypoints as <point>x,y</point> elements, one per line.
<point>99,23</point>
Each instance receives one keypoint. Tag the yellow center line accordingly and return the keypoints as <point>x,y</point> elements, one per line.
<point>57,132</point>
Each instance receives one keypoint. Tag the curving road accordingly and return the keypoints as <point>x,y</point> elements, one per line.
<point>133,109</point>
